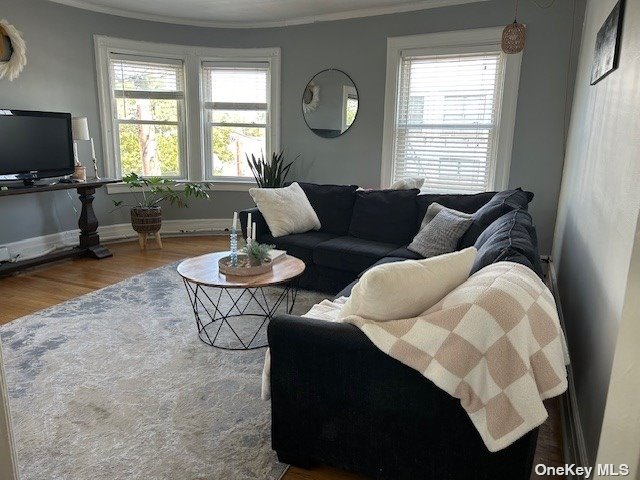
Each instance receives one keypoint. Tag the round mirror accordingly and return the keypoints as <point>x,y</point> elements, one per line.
<point>330,103</point>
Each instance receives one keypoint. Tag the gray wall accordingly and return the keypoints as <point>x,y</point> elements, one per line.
<point>61,76</point>
<point>598,212</point>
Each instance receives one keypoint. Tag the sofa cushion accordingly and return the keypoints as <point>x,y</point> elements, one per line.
<point>386,216</point>
<point>404,252</point>
<point>333,204</point>
<point>350,254</point>
<point>299,245</point>
<point>501,203</point>
<point>510,238</point>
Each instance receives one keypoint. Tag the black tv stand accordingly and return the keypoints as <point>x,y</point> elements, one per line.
<point>89,241</point>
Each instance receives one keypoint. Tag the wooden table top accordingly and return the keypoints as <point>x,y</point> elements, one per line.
<point>21,190</point>
<point>203,270</point>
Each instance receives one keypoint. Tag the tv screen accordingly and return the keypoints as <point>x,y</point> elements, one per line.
<point>35,145</point>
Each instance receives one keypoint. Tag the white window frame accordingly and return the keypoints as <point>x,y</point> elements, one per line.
<point>181,123</point>
<point>348,92</point>
<point>272,137</point>
<point>192,58</point>
<point>447,43</point>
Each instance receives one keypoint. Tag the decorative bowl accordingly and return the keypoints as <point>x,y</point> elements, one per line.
<point>244,267</point>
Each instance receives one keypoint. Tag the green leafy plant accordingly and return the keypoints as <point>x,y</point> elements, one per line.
<point>150,192</point>
<point>258,252</point>
<point>270,173</point>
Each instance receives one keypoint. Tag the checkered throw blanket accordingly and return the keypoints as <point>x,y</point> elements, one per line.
<point>494,342</point>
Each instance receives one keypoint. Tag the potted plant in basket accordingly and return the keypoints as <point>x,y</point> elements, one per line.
<point>270,173</point>
<point>150,193</point>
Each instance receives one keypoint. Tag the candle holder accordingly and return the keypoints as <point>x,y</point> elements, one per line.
<point>233,244</point>
<point>94,161</point>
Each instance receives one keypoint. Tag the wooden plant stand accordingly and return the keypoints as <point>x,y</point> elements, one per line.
<point>142,239</point>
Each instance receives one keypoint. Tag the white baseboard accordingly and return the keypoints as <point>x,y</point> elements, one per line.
<point>575,450</point>
<point>36,246</point>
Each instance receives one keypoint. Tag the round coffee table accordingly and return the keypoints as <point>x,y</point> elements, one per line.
<point>208,290</point>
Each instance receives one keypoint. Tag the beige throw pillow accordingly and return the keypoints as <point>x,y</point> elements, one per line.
<point>392,291</point>
<point>286,210</point>
<point>408,183</point>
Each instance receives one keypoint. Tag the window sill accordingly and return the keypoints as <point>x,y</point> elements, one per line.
<point>219,186</point>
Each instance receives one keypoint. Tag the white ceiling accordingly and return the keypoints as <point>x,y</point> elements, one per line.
<point>253,13</point>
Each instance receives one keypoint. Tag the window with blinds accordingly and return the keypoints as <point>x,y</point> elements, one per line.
<point>446,124</point>
<point>237,116</point>
<point>148,97</point>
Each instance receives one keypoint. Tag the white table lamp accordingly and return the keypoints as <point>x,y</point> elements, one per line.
<point>80,129</point>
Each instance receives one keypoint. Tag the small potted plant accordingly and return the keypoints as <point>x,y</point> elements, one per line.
<point>270,173</point>
<point>257,253</point>
<point>150,193</point>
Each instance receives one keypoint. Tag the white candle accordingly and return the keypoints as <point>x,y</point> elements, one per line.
<point>75,153</point>
<point>249,226</point>
<point>93,149</point>
<point>235,220</point>
<point>253,231</point>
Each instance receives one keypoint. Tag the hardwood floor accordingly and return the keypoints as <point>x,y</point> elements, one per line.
<point>49,285</point>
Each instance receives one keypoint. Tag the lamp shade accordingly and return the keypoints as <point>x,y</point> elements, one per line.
<point>80,128</point>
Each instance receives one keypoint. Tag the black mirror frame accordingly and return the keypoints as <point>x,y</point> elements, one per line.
<point>305,89</point>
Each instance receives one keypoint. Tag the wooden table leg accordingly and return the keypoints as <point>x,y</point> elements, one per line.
<point>88,223</point>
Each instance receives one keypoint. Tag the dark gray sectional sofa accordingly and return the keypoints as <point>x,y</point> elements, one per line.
<point>362,228</point>
<point>338,400</point>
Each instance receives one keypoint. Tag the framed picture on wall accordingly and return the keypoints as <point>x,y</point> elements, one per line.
<point>607,50</point>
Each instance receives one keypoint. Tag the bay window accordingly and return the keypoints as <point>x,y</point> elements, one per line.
<point>187,113</point>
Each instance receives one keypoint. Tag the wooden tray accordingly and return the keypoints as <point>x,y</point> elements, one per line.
<point>244,269</point>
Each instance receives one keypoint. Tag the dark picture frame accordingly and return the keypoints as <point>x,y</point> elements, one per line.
<point>607,50</point>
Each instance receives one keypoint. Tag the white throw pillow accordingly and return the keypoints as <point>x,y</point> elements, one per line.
<point>406,289</point>
<point>408,183</point>
<point>286,210</point>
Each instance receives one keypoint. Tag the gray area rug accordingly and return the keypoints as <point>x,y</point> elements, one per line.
<point>116,385</point>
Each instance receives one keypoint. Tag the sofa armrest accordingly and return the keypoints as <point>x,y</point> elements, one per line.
<point>338,400</point>
<point>256,217</point>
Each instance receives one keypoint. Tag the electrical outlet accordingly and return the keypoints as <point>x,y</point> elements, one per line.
<point>4,254</point>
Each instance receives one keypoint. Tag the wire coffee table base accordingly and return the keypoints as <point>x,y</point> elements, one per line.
<point>212,316</point>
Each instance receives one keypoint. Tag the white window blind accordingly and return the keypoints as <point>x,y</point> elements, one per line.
<point>447,120</point>
<point>237,115</point>
<point>148,96</point>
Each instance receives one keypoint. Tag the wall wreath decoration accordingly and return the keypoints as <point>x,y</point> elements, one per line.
<point>310,98</point>
<point>17,50</point>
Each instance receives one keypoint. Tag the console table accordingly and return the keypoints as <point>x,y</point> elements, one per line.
<point>89,245</point>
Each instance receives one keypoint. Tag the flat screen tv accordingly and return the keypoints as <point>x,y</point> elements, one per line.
<point>35,145</point>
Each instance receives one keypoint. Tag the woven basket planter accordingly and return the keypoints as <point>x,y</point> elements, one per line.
<point>146,220</point>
